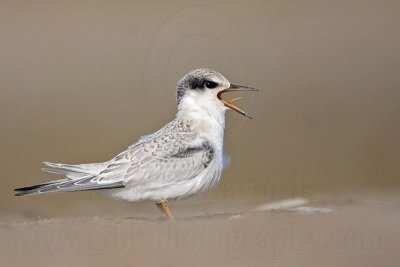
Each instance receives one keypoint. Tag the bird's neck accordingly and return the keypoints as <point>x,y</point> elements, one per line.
<point>207,119</point>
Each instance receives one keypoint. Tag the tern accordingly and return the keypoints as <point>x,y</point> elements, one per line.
<point>182,159</point>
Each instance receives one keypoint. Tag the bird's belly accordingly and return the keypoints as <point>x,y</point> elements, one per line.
<point>204,181</point>
<point>178,190</point>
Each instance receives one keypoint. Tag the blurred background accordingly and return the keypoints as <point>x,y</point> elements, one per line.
<point>82,80</point>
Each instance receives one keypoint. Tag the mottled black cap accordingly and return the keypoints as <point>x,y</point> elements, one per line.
<point>197,80</point>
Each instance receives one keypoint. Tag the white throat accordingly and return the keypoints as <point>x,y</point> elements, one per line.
<point>206,114</point>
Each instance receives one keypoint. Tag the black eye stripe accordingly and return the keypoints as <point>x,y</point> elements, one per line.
<point>211,84</point>
<point>196,83</point>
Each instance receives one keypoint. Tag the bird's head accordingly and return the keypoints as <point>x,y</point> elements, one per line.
<point>204,88</point>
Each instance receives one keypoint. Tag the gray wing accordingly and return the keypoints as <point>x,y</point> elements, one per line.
<point>161,160</point>
<point>170,155</point>
<point>81,177</point>
<point>171,163</point>
<point>68,185</point>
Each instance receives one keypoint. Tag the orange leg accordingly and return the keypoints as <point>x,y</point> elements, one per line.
<point>164,208</point>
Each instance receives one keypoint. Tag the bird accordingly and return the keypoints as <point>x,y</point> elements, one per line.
<point>182,159</point>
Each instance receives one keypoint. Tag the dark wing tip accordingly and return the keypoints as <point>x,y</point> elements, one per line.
<point>27,188</point>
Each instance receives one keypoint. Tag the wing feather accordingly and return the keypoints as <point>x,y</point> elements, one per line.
<point>168,159</point>
<point>169,156</point>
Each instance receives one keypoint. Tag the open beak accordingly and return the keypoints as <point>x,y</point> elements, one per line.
<point>229,103</point>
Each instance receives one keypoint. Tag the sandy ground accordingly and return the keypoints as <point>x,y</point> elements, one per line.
<point>342,231</point>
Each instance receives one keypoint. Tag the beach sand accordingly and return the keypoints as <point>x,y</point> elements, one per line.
<point>334,230</point>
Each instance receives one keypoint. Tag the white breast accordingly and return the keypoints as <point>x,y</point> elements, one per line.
<point>209,125</point>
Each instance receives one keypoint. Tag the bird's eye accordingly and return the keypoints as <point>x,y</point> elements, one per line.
<point>211,84</point>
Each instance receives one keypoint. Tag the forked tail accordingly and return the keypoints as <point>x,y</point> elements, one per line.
<point>80,177</point>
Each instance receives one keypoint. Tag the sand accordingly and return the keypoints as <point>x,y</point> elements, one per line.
<point>334,230</point>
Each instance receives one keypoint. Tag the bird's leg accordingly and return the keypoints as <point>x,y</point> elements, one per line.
<point>167,210</point>
<point>160,207</point>
<point>164,208</point>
